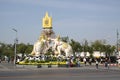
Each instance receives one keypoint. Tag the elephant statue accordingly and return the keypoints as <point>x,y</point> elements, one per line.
<point>40,47</point>
<point>62,46</point>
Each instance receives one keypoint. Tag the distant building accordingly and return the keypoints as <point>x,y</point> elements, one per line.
<point>83,54</point>
<point>98,54</point>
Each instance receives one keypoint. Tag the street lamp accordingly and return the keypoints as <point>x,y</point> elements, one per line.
<point>16,40</point>
<point>117,43</point>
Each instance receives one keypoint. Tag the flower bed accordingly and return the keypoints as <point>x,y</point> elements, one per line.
<point>42,63</point>
<point>53,61</point>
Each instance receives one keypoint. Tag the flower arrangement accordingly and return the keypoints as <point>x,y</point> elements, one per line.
<point>42,63</point>
<point>49,61</point>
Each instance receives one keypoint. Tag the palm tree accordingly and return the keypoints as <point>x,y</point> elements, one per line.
<point>76,46</point>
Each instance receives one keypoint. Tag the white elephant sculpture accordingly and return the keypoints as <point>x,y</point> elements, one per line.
<point>40,47</point>
<point>62,46</point>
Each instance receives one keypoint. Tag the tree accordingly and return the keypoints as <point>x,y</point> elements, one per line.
<point>6,49</point>
<point>98,45</point>
<point>65,39</point>
<point>85,46</point>
<point>109,50</point>
<point>29,49</point>
<point>21,48</point>
<point>76,46</point>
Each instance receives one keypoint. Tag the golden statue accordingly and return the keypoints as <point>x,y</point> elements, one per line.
<point>47,22</point>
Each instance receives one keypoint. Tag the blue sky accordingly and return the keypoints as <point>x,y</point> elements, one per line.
<point>79,19</point>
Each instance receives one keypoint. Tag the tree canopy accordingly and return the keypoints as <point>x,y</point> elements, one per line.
<point>98,45</point>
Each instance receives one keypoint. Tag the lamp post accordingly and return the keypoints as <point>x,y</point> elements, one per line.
<point>117,43</point>
<point>15,42</point>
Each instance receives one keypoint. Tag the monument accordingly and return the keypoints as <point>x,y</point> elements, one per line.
<point>46,42</point>
<point>47,37</point>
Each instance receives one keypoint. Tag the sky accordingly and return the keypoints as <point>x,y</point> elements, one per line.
<point>78,19</point>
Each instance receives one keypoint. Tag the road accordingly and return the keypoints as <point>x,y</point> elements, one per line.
<point>82,73</point>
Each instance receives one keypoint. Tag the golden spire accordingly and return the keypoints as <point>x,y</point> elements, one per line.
<point>47,22</point>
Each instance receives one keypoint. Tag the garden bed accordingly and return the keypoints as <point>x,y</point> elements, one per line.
<point>42,64</point>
